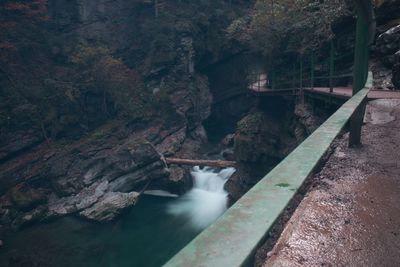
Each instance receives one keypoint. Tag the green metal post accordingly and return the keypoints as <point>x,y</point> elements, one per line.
<point>301,81</point>
<point>360,70</point>
<point>360,55</point>
<point>294,77</point>
<point>331,65</point>
<point>301,74</point>
<point>273,80</point>
<point>312,71</point>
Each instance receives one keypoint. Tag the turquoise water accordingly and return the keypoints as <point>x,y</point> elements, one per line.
<point>145,236</point>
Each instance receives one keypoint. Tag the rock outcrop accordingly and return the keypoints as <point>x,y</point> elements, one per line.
<point>388,44</point>
<point>388,49</point>
<point>96,181</point>
<point>110,205</point>
<point>267,135</point>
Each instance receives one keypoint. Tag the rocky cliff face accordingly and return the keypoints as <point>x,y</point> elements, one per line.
<point>120,86</point>
<point>266,136</point>
<point>386,50</point>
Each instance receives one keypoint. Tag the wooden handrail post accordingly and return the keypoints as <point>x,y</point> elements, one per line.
<point>331,65</point>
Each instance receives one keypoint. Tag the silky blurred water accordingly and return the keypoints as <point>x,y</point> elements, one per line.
<point>147,235</point>
<point>206,201</point>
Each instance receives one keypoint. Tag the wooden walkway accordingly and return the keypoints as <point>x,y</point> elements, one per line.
<point>346,92</point>
<point>338,92</point>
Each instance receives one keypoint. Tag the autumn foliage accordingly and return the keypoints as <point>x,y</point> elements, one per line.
<point>68,92</point>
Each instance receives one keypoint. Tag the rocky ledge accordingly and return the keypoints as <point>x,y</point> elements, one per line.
<point>95,184</point>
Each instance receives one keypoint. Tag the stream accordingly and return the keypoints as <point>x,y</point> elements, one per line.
<point>148,234</point>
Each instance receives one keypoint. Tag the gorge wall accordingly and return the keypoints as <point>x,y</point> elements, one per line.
<point>112,88</point>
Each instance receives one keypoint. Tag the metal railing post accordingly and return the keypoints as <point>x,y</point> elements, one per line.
<point>272,80</point>
<point>360,73</point>
<point>331,65</point>
<point>294,79</point>
<point>301,73</point>
<point>312,71</point>
<point>301,81</point>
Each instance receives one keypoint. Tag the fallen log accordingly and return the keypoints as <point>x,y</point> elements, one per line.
<point>200,162</point>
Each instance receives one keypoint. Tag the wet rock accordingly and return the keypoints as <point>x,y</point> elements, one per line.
<point>264,137</point>
<point>396,76</point>
<point>75,203</point>
<point>106,178</point>
<point>228,140</point>
<point>172,143</point>
<point>388,10</point>
<point>110,206</point>
<point>124,161</point>
<point>388,43</point>
<point>130,181</point>
<point>36,215</point>
<point>308,120</point>
<point>228,154</point>
<point>388,47</point>
<point>179,181</point>
<point>18,143</point>
<point>110,164</point>
<point>258,138</point>
<point>382,75</point>
<point>24,197</point>
<point>199,134</point>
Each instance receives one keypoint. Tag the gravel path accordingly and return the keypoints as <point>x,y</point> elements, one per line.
<point>352,218</point>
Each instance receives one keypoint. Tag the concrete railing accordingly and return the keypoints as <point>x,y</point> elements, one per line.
<point>233,239</point>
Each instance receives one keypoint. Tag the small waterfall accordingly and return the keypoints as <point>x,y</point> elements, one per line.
<point>206,201</point>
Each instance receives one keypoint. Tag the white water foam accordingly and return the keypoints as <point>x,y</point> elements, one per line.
<point>207,200</point>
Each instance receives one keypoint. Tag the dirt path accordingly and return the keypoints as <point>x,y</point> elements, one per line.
<point>352,218</point>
